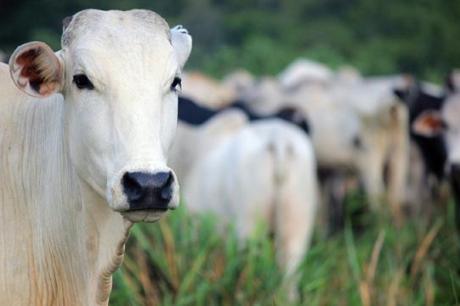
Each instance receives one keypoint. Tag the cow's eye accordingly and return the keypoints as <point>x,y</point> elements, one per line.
<point>82,82</point>
<point>176,85</point>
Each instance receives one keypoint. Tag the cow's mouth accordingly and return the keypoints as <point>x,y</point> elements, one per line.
<point>153,209</point>
<point>144,215</point>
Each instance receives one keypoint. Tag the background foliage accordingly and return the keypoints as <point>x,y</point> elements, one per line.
<point>378,37</point>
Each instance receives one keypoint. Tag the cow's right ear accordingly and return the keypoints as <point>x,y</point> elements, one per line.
<point>429,124</point>
<point>36,70</point>
<point>182,44</point>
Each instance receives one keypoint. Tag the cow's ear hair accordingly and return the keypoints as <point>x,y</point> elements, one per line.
<point>182,44</point>
<point>429,124</point>
<point>66,22</point>
<point>36,70</point>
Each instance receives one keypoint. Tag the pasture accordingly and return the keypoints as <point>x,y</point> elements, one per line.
<point>184,261</point>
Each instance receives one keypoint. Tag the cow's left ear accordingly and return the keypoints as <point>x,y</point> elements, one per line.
<point>429,124</point>
<point>182,44</point>
<point>36,70</point>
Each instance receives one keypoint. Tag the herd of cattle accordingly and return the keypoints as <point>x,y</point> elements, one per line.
<point>287,149</point>
<point>88,147</point>
<point>394,136</point>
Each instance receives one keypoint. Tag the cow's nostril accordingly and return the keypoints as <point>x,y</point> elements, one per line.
<point>161,179</point>
<point>148,191</point>
<point>166,193</point>
<point>165,180</point>
<point>131,187</point>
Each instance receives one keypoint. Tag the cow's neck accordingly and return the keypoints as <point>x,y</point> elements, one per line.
<point>107,233</point>
<point>71,240</point>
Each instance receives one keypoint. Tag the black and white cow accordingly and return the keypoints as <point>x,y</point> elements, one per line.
<point>443,122</point>
<point>421,97</point>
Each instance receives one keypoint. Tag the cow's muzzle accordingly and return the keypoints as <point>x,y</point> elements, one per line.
<point>148,191</point>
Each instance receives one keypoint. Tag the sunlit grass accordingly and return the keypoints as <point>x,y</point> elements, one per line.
<point>189,260</point>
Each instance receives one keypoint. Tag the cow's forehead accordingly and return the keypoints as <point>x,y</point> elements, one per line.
<point>114,25</point>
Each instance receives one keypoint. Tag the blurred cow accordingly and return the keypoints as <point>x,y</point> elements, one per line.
<point>425,187</point>
<point>445,122</point>
<point>264,171</point>
<point>420,97</point>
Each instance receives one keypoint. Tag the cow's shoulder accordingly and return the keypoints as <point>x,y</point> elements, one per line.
<point>9,93</point>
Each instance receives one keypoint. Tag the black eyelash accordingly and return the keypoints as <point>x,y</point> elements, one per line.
<point>176,84</point>
<point>82,82</point>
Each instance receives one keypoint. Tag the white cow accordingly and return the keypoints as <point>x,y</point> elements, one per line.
<point>264,171</point>
<point>85,157</point>
<point>384,136</point>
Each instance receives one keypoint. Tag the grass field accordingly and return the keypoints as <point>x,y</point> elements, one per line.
<point>185,260</point>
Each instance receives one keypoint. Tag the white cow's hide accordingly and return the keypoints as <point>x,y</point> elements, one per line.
<point>264,171</point>
<point>101,106</point>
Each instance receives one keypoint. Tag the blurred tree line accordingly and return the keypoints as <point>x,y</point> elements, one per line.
<point>263,36</point>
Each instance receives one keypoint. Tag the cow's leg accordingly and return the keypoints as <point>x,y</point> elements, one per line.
<point>371,166</point>
<point>399,159</point>
<point>294,220</point>
<point>333,192</point>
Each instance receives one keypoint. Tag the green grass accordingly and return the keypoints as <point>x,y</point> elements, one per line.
<point>186,260</point>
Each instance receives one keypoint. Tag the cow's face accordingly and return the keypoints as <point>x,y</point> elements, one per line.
<point>445,123</point>
<point>419,97</point>
<point>119,73</point>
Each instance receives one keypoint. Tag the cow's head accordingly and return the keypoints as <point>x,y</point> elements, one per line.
<point>419,96</point>
<point>119,73</point>
<point>444,122</point>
